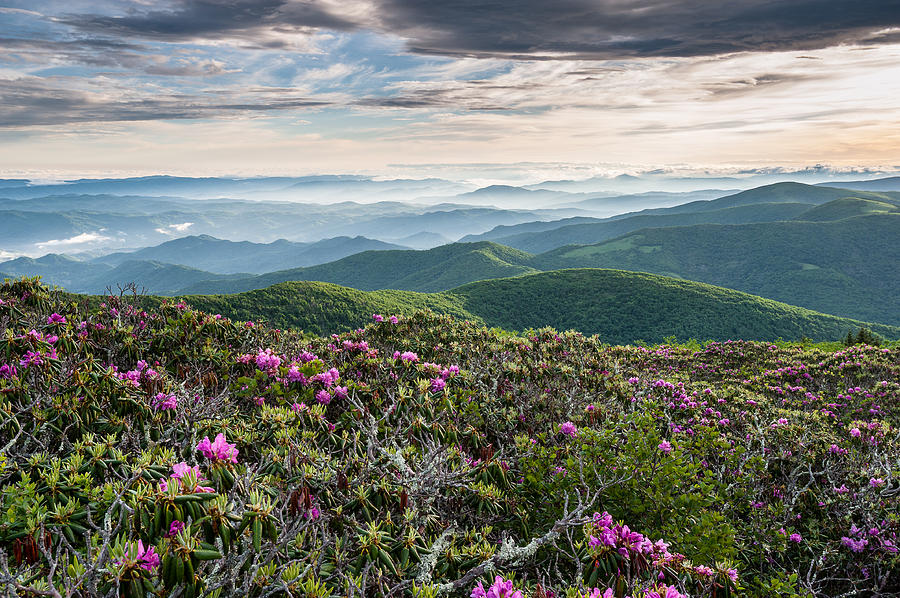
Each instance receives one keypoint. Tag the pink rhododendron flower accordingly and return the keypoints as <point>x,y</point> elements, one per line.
<point>218,450</point>
<point>180,471</point>
<point>147,558</point>
<point>164,402</point>
<point>501,588</point>
<point>569,429</point>
<point>55,318</point>
<point>175,527</point>
<point>665,447</point>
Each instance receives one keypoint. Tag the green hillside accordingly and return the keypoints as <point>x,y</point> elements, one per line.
<point>782,193</point>
<point>586,233</point>
<point>625,306</point>
<point>160,451</point>
<point>847,207</point>
<point>324,307</point>
<point>436,269</point>
<point>847,267</point>
<point>621,307</point>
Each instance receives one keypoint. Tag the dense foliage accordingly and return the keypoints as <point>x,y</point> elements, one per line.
<point>175,453</point>
<point>845,267</point>
<point>622,307</point>
<point>588,233</point>
<point>436,269</point>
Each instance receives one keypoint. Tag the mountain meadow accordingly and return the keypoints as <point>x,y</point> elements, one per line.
<point>165,451</point>
<point>455,299</point>
<point>698,398</point>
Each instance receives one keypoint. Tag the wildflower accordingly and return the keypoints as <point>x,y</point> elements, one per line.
<point>266,360</point>
<point>855,432</point>
<point>31,358</point>
<point>323,396</point>
<point>409,356</point>
<point>164,402</point>
<point>437,384</point>
<point>876,482</point>
<point>295,375</point>
<point>175,527</point>
<point>7,371</point>
<point>796,538</point>
<point>501,588</point>
<point>854,544</point>
<point>394,319</point>
<point>378,317</point>
<point>569,429</point>
<point>55,318</point>
<point>665,446</point>
<point>219,449</point>
<point>340,392</point>
<point>147,558</point>
<point>188,479</point>
<point>664,591</point>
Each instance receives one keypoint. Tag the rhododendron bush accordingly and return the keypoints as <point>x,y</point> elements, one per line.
<point>175,453</point>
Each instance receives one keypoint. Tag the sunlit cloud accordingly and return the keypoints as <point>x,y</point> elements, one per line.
<point>174,229</point>
<point>82,239</point>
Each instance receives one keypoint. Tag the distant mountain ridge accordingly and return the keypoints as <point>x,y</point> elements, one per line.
<point>227,257</point>
<point>780,201</point>
<point>431,270</point>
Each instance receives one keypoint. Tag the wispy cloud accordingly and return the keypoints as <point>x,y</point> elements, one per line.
<point>173,229</point>
<point>82,239</point>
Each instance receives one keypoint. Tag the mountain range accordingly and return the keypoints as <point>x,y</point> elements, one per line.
<point>832,250</point>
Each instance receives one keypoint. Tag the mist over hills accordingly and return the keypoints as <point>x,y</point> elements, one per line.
<point>781,201</point>
<point>227,257</point>
<point>829,249</point>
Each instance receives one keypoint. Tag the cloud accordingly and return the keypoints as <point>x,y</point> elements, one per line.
<point>81,239</point>
<point>37,101</point>
<point>611,29</point>
<point>521,29</point>
<point>175,228</point>
<point>257,23</point>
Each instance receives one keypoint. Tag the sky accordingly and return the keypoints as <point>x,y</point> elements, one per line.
<point>413,88</point>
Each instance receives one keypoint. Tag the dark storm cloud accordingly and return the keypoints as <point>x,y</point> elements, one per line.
<point>604,29</point>
<point>530,29</point>
<point>192,19</point>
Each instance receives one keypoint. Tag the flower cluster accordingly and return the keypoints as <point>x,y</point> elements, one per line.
<point>501,588</point>
<point>218,450</point>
